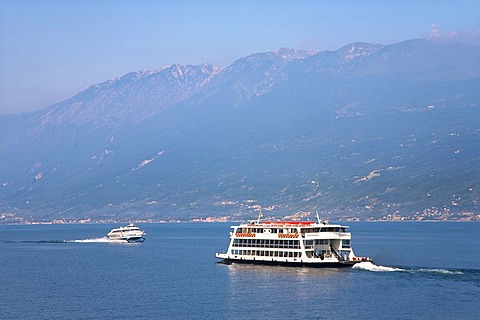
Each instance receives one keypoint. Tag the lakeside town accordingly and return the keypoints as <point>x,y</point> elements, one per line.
<point>428,215</point>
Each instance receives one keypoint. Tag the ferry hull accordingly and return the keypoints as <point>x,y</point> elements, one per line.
<point>129,239</point>
<point>291,263</point>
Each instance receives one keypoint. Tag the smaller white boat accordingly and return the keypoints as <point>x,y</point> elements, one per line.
<point>130,233</point>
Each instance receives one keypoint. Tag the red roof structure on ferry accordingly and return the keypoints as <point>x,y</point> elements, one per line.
<point>290,223</point>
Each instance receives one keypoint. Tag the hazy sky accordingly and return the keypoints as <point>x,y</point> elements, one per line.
<point>52,49</point>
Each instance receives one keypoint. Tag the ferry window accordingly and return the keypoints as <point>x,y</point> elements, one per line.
<point>345,243</point>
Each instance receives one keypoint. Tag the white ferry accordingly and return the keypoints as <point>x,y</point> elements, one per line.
<point>291,243</point>
<point>130,233</point>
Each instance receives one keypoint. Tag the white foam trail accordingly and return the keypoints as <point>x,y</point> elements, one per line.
<point>104,239</point>
<point>442,271</point>
<point>372,267</point>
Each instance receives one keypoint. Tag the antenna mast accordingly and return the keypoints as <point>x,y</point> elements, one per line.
<point>260,215</point>
<point>318,217</point>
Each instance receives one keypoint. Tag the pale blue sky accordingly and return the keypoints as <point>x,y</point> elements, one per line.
<point>52,49</point>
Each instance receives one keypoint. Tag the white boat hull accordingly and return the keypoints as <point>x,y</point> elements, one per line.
<point>291,262</point>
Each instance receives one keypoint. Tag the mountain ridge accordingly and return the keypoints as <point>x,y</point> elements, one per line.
<point>155,90</point>
<point>363,132</point>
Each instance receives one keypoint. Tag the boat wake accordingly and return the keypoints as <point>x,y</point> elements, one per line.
<point>372,267</point>
<point>93,240</point>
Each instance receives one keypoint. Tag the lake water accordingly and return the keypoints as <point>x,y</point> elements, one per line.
<point>421,271</point>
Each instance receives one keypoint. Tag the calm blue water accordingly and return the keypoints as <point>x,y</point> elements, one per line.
<point>174,275</point>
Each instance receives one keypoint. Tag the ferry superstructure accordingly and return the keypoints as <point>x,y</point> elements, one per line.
<point>292,243</point>
<point>130,233</point>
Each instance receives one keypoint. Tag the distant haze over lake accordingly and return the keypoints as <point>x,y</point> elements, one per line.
<point>367,131</point>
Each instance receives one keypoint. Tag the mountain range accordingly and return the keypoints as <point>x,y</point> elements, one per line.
<point>367,131</point>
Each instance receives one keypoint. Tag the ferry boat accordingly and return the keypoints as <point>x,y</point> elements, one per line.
<point>130,233</point>
<point>291,243</point>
